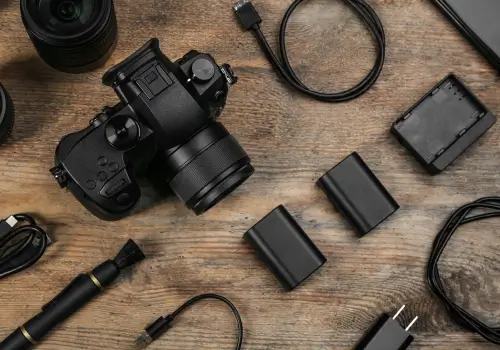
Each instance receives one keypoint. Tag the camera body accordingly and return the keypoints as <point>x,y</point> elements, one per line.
<point>167,117</point>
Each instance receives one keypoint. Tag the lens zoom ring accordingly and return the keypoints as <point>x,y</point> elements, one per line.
<point>206,167</point>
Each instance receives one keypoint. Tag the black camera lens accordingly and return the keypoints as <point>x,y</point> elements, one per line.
<point>207,168</point>
<point>6,114</point>
<point>72,36</point>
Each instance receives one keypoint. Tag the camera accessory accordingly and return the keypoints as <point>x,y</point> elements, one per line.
<point>162,325</point>
<point>21,246</point>
<point>284,248</point>
<point>168,111</point>
<point>488,207</point>
<point>250,20</point>
<point>387,334</point>
<point>443,124</point>
<point>477,21</point>
<point>72,36</point>
<point>6,114</point>
<point>358,194</point>
<point>72,298</point>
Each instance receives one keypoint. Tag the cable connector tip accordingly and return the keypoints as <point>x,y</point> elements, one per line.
<point>7,226</point>
<point>240,4</point>
<point>11,221</point>
<point>143,341</point>
<point>154,331</point>
<point>247,14</point>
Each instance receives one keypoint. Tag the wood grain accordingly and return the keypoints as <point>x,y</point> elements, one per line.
<point>292,140</point>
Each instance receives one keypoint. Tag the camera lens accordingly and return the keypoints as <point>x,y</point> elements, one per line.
<point>207,168</point>
<point>72,36</point>
<point>6,114</point>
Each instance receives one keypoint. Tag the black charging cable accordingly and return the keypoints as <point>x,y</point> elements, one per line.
<point>462,216</point>
<point>162,324</point>
<point>250,19</point>
<point>22,244</point>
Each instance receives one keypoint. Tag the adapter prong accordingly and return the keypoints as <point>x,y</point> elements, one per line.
<point>397,313</point>
<point>411,324</point>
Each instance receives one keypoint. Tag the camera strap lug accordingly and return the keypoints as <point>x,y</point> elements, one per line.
<point>229,74</point>
<point>60,175</point>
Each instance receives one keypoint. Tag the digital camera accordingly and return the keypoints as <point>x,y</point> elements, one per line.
<point>167,118</point>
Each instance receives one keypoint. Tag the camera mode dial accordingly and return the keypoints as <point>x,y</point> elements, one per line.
<point>122,132</point>
<point>203,70</point>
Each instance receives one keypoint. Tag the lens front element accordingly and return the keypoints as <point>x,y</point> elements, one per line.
<point>68,11</point>
<point>208,167</point>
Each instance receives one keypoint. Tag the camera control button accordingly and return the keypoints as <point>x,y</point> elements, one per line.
<point>91,184</point>
<point>113,167</point>
<point>116,185</point>
<point>102,161</point>
<point>123,199</point>
<point>122,132</point>
<point>102,176</point>
<point>203,70</point>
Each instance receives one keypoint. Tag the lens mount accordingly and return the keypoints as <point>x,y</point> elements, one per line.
<point>208,167</point>
<point>71,35</point>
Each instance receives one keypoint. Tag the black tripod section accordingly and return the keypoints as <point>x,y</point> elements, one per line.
<point>78,293</point>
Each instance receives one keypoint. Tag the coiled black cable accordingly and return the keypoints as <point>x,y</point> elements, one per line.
<point>285,70</point>
<point>461,217</point>
<point>17,254</point>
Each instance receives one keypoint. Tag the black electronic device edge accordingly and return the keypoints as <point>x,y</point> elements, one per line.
<point>487,52</point>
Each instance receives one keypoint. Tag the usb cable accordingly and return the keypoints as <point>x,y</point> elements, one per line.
<point>162,324</point>
<point>22,244</point>
<point>251,20</point>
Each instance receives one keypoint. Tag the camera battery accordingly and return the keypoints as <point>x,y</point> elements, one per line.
<point>443,124</point>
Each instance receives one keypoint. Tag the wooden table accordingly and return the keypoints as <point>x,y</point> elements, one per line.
<point>292,140</point>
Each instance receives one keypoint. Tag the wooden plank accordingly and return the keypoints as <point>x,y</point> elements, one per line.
<point>292,141</point>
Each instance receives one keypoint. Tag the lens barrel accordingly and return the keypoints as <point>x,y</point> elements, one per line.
<point>6,114</point>
<point>208,167</point>
<point>73,36</point>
